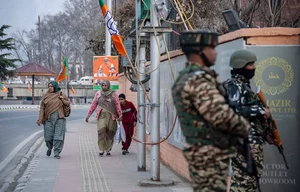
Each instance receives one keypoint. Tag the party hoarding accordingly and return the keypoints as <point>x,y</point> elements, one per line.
<point>277,73</point>
<point>106,68</point>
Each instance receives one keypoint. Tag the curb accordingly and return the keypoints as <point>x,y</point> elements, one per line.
<point>31,166</point>
<point>19,107</point>
<point>14,178</point>
<point>32,107</point>
<point>152,183</point>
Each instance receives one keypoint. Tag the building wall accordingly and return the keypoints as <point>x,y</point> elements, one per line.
<point>125,88</point>
<point>172,155</point>
<point>169,154</point>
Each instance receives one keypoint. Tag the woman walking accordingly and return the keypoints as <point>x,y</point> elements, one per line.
<point>51,115</point>
<point>108,112</point>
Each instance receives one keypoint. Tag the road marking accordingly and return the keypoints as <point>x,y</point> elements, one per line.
<point>16,173</point>
<point>16,150</point>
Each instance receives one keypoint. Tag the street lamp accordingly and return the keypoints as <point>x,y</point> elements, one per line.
<point>233,21</point>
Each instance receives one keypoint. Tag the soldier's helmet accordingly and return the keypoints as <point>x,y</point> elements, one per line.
<point>196,40</point>
<point>241,58</point>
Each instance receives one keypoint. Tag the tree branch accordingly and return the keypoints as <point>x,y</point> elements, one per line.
<point>246,12</point>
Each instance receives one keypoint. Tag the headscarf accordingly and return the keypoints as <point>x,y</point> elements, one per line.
<point>55,85</point>
<point>107,92</point>
<point>51,100</point>
<point>106,100</point>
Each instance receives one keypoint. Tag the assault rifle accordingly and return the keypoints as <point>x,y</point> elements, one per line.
<point>273,132</point>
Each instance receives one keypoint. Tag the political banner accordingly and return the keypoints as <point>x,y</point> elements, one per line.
<point>106,68</point>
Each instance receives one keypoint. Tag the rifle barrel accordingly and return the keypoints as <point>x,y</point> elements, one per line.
<point>284,159</point>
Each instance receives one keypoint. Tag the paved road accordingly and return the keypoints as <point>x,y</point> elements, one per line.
<point>19,132</point>
<point>17,125</point>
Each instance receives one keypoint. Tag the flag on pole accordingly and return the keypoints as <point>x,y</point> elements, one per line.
<point>73,90</point>
<point>112,28</point>
<point>3,88</point>
<point>28,86</point>
<point>64,72</point>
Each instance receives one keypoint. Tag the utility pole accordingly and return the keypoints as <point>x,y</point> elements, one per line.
<point>141,153</point>
<point>39,29</point>
<point>141,107</point>
<point>154,95</point>
<point>107,34</point>
<point>141,59</point>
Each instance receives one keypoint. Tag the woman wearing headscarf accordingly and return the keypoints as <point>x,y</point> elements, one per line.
<point>109,111</point>
<point>52,117</point>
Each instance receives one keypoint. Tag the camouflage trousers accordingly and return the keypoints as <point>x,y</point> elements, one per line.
<point>241,181</point>
<point>208,167</point>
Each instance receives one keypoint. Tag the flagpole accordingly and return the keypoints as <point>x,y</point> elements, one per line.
<point>32,90</point>
<point>107,34</point>
<point>68,87</point>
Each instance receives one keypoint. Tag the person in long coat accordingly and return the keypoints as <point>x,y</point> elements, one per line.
<point>52,116</point>
<point>108,113</point>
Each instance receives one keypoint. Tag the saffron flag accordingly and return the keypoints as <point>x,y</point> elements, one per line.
<point>64,72</point>
<point>73,90</point>
<point>3,88</point>
<point>28,86</point>
<point>112,28</point>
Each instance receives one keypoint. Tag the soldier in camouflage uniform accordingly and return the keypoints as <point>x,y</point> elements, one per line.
<point>209,125</point>
<point>245,102</point>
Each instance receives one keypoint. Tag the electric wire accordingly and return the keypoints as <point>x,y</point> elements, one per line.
<point>185,20</point>
<point>135,70</point>
<point>181,9</point>
<point>173,75</point>
<point>180,14</point>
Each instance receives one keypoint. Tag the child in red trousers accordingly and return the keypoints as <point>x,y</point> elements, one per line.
<point>128,120</point>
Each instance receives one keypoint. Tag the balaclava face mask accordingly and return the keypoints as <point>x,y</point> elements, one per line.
<point>249,74</point>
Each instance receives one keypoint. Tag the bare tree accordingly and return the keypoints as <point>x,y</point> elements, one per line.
<point>79,31</point>
<point>23,48</point>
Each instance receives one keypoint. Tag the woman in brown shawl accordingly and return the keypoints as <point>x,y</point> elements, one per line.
<point>108,112</point>
<point>52,117</point>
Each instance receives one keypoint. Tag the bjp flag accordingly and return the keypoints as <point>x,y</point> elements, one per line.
<point>73,90</point>
<point>3,88</point>
<point>112,28</point>
<point>28,86</point>
<point>64,72</point>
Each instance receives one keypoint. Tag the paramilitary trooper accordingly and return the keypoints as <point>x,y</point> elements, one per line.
<point>209,125</point>
<point>246,102</point>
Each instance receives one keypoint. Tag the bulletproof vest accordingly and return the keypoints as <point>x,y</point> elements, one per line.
<point>194,127</point>
<point>250,98</point>
<point>260,128</point>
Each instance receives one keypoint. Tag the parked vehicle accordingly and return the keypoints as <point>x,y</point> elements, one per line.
<point>29,80</point>
<point>86,80</point>
<point>15,81</point>
<point>74,82</point>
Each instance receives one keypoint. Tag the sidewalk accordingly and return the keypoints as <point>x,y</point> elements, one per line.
<point>81,169</point>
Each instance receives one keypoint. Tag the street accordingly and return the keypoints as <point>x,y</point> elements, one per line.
<point>15,127</point>
<point>80,168</point>
<point>18,125</point>
<point>19,131</point>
